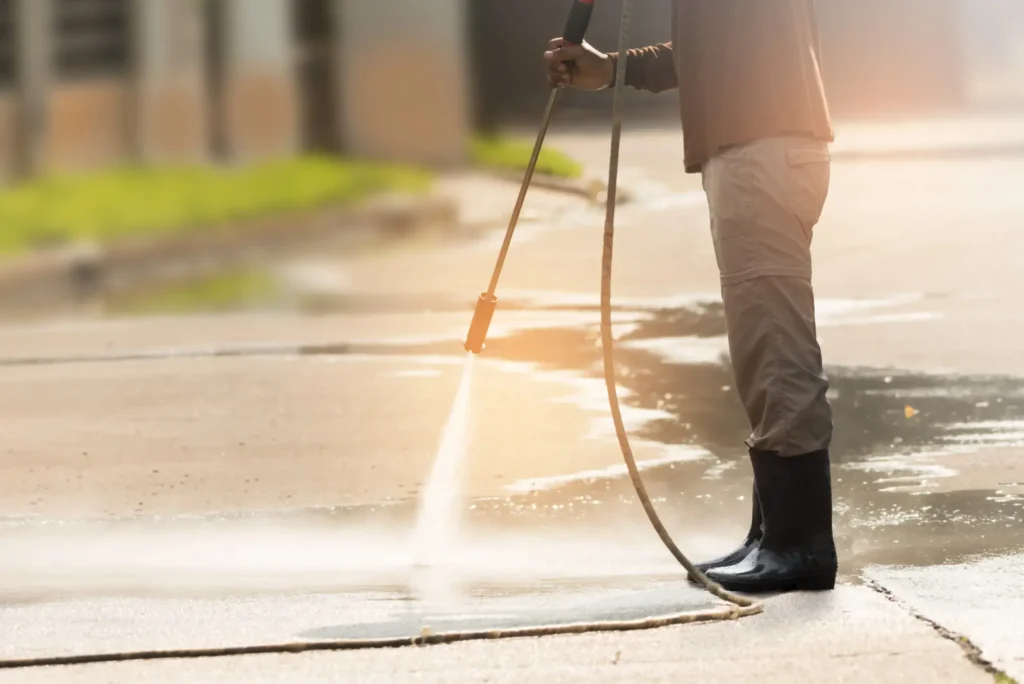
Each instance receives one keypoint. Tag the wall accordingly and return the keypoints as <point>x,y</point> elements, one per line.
<point>259,98</point>
<point>89,125</point>
<point>171,124</point>
<point>880,56</point>
<point>65,125</point>
<point>8,136</point>
<point>405,89</point>
<point>885,57</point>
<point>34,73</point>
<point>995,43</point>
<point>9,150</point>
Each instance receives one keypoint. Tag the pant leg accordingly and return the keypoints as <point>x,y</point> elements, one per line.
<point>777,364</point>
<point>765,199</point>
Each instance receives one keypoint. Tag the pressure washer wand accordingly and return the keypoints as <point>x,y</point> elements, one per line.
<point>575,31</point>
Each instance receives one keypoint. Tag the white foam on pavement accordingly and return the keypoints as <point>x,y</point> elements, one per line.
<point>685,350</point>
<point>678,454</point>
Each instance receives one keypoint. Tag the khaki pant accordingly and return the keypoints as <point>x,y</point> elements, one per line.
<point>765,199</point>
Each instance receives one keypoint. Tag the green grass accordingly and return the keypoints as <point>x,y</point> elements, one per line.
<point>222,292</point>
<point>109,206</point>
<point>507,154</point>
<point>114,205</point>
<point>1004,679</point>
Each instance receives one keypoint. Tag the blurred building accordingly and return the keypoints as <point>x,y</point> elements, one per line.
<point>880,57</point>
<point>886,57</point>
<point>93,83</point>
<point>996,48</point>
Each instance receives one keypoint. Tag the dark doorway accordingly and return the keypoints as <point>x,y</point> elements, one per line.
<point>216,38</point>
<point>316,34</point>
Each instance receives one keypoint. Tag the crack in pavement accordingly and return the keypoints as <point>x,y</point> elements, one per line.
<point>971,651</point>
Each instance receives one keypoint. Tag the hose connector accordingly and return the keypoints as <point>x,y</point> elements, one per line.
<point>477,337</point>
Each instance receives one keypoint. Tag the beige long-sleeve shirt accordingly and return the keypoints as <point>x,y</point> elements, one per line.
<point>745,70</point>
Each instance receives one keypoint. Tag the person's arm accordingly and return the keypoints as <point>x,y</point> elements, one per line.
<point>651,68</point>
<point>581,66</point>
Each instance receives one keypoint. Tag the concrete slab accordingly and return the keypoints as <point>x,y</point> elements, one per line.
<point>284,432</point>
<point>190,436</point>
<point>330,552</point>
<point>853,635</point>
<point>980,600</point>
<point>97,626</point>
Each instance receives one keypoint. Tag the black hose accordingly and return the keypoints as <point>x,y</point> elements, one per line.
<point>608,341</point>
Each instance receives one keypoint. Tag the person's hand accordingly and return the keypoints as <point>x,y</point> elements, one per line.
<point>578,66</point>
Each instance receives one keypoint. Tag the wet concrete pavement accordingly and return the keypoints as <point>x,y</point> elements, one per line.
<point>991,589</point>
<point>851,636</point>
<point>236,621</point>
<point>255,458</point>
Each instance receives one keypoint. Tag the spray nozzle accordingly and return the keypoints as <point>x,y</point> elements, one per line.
<point>477,337</point>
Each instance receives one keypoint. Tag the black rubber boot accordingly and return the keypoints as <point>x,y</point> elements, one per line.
<point>751,541</point>
<point>798,551</point>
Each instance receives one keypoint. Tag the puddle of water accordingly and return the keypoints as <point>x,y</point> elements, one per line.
<point>892,429</point>
<point>893,434</point>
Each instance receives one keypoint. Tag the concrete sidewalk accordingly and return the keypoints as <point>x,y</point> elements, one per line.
<point>136,438</point>
<point>994,622</point>
<point>853,636</point>
<point>199,436</point>
<point>916,269</point>
<point>952,135</point>
<point>932,245</point>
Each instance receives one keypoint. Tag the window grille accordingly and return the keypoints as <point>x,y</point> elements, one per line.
<point>92,37</point>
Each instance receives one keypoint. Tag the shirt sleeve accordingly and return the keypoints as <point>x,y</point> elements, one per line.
<point>651,68</point>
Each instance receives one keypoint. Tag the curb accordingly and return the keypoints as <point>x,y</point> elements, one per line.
<point>591,189</point>
<point>76,273</point>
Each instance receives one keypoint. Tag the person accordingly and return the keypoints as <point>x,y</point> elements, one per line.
<point>756,125</point>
